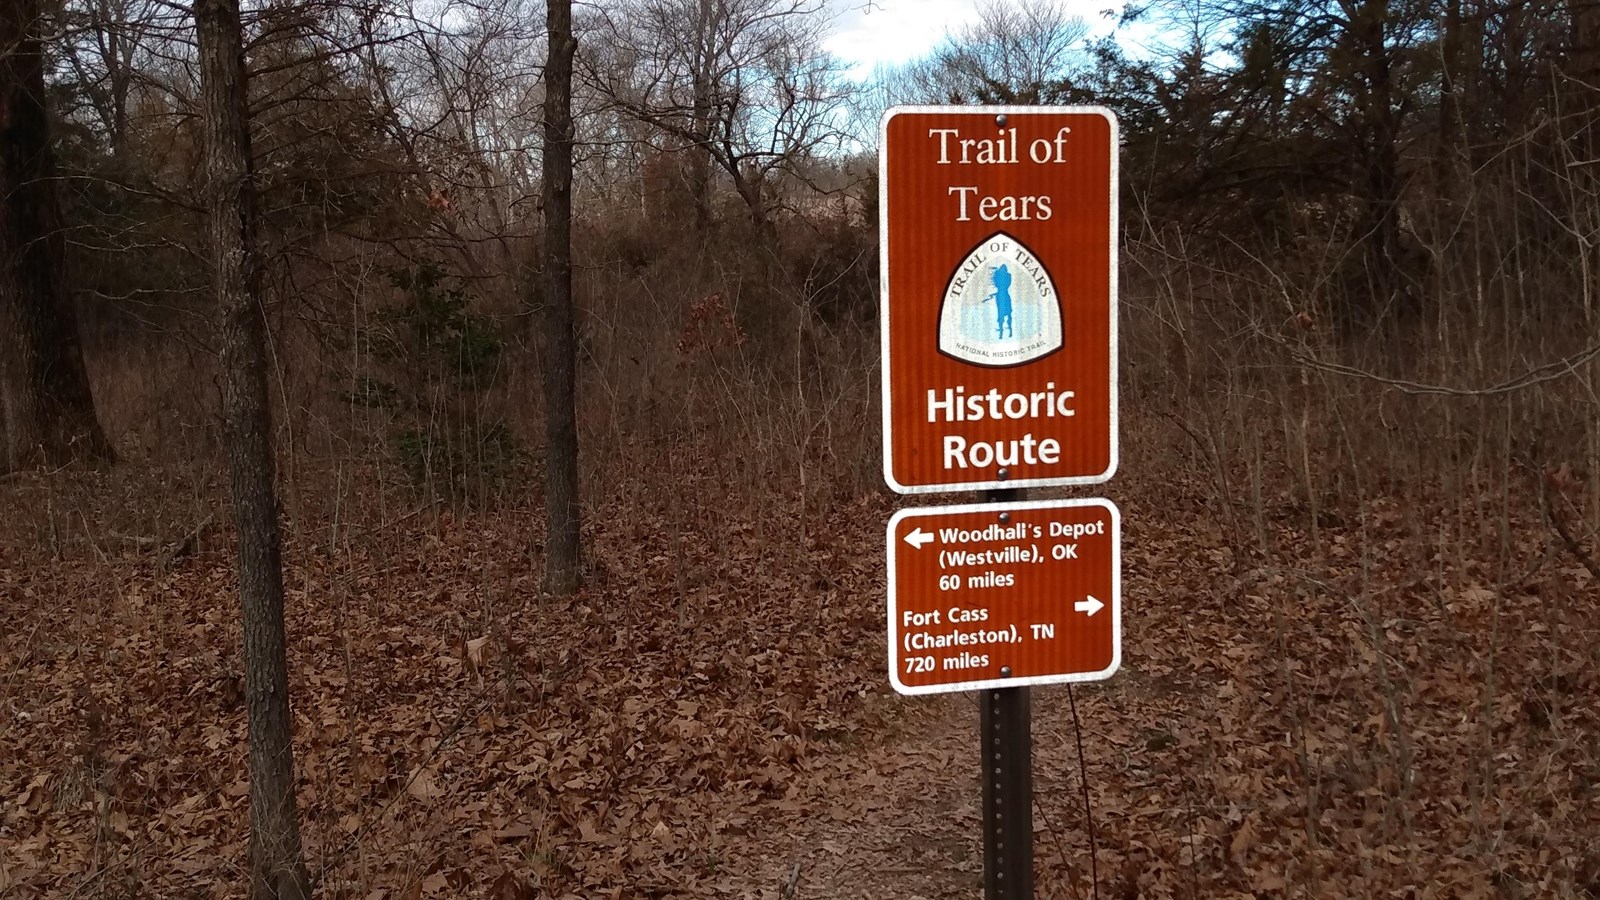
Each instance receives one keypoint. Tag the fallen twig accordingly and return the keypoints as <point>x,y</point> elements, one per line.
<point>185,546</point>
<point>1573,545</point>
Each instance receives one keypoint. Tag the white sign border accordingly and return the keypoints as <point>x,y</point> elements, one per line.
<point>1114,607</point>
<point>883,296</point>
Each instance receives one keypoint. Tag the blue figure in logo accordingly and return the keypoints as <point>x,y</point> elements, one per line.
<point>1002,302</point>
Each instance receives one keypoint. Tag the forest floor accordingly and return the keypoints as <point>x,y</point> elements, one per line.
<point>1351,716</point>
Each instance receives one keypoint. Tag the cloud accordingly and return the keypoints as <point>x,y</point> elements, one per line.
<point>896,31</point>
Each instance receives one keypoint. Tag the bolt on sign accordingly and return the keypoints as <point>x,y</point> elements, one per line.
<point>999,282</point>
<point>1004,595</point>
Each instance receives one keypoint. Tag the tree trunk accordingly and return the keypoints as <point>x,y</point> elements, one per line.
<point>1583,64</point>
<point>1380,133</point>
<point>562,547</point>
<point>1451,136</point>
<point>700,160</point>
<point>46,409</point>
<point>750,183</point>
<point>700,150</point>
<point>276,867</point>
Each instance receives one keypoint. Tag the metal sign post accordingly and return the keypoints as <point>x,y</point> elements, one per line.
<point>1006,731</point>
<point>1005,734</point>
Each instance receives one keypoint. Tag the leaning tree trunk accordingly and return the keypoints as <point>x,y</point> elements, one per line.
<point>562,546</point>
<point>46,409</point>
<point>277,869</point>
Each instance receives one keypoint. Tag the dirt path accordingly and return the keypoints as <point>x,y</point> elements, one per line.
<point>897,819</point>
<point>900,820</point>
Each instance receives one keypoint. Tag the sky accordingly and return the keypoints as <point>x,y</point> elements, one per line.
<point>894,31</point>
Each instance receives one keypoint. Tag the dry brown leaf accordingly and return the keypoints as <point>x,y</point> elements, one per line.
<point>512,832</point>
<point>423,786</point>
<point>511,886</point>
<point>475,649</point>
<point>1243,839</point>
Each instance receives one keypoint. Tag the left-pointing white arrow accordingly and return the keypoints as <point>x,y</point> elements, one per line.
<point>918,538</point>
<point>1090,606</point>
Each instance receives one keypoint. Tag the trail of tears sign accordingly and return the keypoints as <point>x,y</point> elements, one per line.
<point>999,329</point>
<point>999,297</point>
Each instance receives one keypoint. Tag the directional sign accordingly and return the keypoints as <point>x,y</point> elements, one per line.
<point>1004,595</point>
<point>999,280</point>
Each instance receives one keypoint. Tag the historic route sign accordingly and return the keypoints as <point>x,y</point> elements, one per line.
<point>1004,595</point>
<point>999,308</point>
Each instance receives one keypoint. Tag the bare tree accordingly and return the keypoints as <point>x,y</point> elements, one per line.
<point>562,545</point>
<point>1020,53</point>
<point>46,409</point>
<point>740,84</point>
<point>277,869</point>
<point>460,94</point>
<point>1026,53</point>
<point>101,48</point>
<point>1333,85</point>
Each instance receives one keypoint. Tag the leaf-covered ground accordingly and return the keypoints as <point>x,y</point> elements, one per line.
<point>1357,715</point>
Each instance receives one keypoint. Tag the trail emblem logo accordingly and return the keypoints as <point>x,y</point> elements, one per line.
<point>1000,307</point>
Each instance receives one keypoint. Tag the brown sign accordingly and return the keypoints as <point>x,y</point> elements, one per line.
<point>1004,595</point>
<point>999,297</point>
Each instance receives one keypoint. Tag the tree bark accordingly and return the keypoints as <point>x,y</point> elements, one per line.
<point>277,869</point>
<point>1451,135</point>
<point>1583,63</point>
<point>1378,145</point>
<point>705,59</point>
<point>562,545</point>
<point>46,409</point>
<point>700,150</point>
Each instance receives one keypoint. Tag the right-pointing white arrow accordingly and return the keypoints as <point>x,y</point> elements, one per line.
<point>918,538</point>
<point>1090,606</point>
